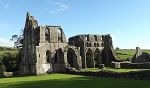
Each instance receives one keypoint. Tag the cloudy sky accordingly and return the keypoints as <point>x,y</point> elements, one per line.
<point>128,21</point>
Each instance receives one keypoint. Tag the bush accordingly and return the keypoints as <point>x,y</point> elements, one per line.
<point>11,61</point>
<point>2,68</point>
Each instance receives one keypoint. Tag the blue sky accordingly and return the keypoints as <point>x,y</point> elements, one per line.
<point>128,21</point>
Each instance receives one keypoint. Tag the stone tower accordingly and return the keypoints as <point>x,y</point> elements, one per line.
<point>42,48</point>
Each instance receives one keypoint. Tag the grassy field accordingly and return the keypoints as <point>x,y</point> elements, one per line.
<point>123,70</point>
<point>7,50</point>
<point>70,81</point>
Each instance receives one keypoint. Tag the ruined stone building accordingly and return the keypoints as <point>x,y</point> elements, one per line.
<point>140,56</point>
<point>45,49</point>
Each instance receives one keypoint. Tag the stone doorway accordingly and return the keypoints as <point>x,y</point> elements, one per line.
<point>97,58</point>
<point>104,58</point>
<point>89,59</point>
<point>71,57</point>
<point>48,56</point>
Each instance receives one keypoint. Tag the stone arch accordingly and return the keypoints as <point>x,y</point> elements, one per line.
<point>59,56</point>
<point>95,37</point>
<point>97,58</point>
<point>89,58</point>
<point>95,44</point>
<point>48,56</point>
<point>47,35</point>
<point>90,44</point>
<point>71,57</point>
<point>55,57</point>
<point>104,57</point>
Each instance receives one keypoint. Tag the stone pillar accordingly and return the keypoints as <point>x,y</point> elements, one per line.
<point>138,50</point>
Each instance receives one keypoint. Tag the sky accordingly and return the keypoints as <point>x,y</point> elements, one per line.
<point>128,21</point>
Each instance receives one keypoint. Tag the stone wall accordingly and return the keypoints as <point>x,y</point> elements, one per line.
<point>139,75</point>
<point>130,65</point>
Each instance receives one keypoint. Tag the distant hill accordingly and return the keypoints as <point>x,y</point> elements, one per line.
<point>7,49</point>
<point>123,54</point>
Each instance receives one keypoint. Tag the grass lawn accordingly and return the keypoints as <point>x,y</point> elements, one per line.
<point>122,70</point>
<point>70,81</point>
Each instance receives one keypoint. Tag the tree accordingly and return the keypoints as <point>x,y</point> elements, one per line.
<point>117,48</point>
<point>18,40</point>
<point>2,67</point>
<point>12,61</point>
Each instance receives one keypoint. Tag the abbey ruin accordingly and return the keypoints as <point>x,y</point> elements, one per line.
<point>45,49</point>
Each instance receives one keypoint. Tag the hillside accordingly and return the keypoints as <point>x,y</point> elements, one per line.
<point>7,50</point>
<point>123,54</point>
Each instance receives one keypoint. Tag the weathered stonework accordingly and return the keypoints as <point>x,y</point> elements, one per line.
<point>45,49</point>
<point>140,56</point>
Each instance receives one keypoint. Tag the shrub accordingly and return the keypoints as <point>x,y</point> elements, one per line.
<point>2,68</point>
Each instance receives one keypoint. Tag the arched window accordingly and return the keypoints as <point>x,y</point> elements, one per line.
<point>95,37</point>
<point>95,44</point>
<point>87,44</point>
<point>48,56</point>
<point>88,38</point>
<point>97,57</point>
<point>71,57</point>
<point>55,58</point>
<point>47,35</point>
<point>90,44</point>
<point>60,56</point>
<point>89,59</point>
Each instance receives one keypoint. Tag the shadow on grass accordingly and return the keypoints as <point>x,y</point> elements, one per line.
<point>79,82</point>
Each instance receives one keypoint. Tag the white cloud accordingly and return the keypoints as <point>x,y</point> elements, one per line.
<point>62,7</point>
<point>56,7</point>
<point>6,42</point>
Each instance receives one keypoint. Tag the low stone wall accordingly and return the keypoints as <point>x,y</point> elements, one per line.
<point>130,65</point>
<point>9,74</point>
<point>140,75</point>
<point>135,65</point>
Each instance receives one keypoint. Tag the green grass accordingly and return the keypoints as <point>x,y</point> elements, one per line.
<point>125,53</point>
<point>110,69</point>
<point>122,70</point>
<point>91,70</point>
<point>70,81</point>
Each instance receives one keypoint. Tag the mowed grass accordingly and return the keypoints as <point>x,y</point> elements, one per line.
<point>123,70</point>
<point>111,69</point>
<point>70,81</point>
